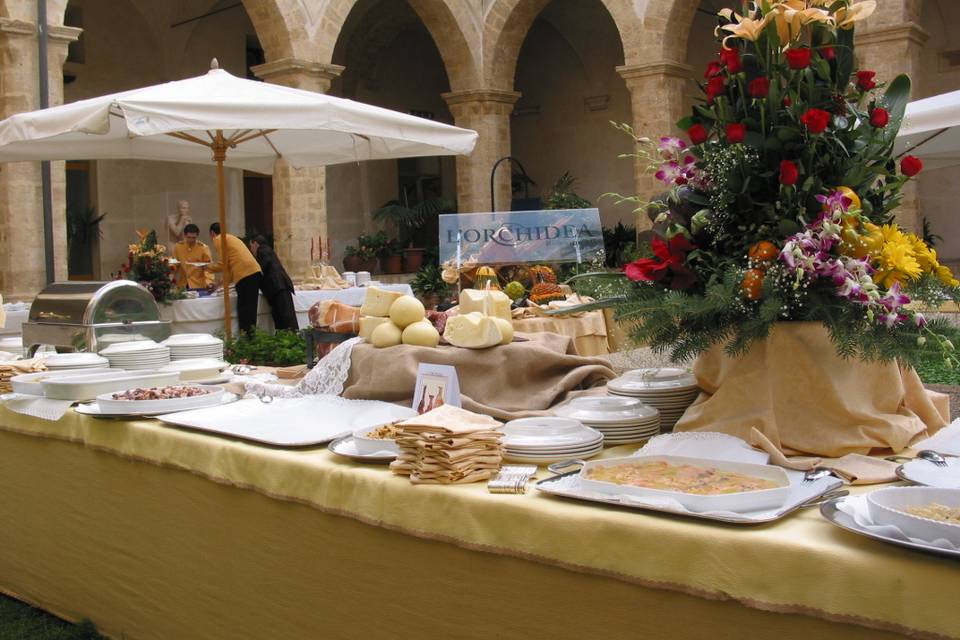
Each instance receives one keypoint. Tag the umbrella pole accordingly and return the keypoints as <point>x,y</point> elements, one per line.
<point>219,148</point>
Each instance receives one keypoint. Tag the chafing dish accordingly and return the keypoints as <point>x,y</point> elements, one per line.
<point>89,316</point>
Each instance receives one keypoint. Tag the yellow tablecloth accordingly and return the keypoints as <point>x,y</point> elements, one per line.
<point>589,330</point>
<point>120,522</point>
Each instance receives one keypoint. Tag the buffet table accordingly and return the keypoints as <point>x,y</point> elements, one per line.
<point>205,315</point>
<point>158,532</point>
<point>588,330</point>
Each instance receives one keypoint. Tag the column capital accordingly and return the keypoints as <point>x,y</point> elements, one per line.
<point>481,95</point>
<point>632,72</point>
<point>910,31</point>
<point>299,73</point>
<point>65,35</point>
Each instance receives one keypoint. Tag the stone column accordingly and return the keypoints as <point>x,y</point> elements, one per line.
<point>299,195</point>
<point>22,263</point>
<point>891,50</point>
<point>656,102</point>
<point>486,111</point>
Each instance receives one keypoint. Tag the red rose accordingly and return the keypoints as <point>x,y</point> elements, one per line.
<point>787,102</point>
<point>879,117</point>
<point>713,69</point>
<point>799,58</point>
<point>816,120</point>
<point>735,132</point>
<point>731,60</point>
<point>758,87</point>
<point>715,87</point>
<point>698,134</point>
<point>788,172</point>
<point>828,53</point>
<point>865,80</point>
<point>911,166</point>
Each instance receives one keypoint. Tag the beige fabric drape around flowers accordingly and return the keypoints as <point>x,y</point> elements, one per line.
<point>805,399</point>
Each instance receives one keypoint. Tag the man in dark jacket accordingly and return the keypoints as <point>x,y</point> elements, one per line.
<point>276,285</point>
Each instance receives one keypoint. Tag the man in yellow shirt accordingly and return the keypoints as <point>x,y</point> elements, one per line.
<point>190,250</point>
<point>244,274</point>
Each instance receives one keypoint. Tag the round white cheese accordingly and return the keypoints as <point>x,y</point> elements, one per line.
<point>406,310</point>
<point>422,334</point>
<point>386,335</point>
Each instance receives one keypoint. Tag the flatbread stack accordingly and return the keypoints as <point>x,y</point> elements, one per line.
<point>17,367</point>
<point>448,445</point>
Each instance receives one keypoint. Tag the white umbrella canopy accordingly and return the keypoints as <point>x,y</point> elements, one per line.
<point>931,130</point>
<point>228,120</point>
<point>308,128</point>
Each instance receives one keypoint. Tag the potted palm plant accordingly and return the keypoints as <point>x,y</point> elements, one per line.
<point>408,218</point>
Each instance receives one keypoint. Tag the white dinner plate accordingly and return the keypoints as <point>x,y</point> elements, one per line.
<point>347,447</point>
<point>66,360</point>
<point>189,340</point>
<point>548,459</point>
<point>925,473</point>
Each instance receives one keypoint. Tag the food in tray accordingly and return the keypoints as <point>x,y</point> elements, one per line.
<point>936,511</point>
<point>684,478</point>
<point>384,432</point>
<point>488,302</point>
<point>161,393</point>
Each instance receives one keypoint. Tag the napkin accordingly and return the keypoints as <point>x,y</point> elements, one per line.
<point>853,467</point>
<point>946,440</point>
<point>36,406</point>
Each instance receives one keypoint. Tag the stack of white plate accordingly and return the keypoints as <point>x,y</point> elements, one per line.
<point>137,354</point>
<point>12,344</point>
<point>73,361</point>
<point>670,390</point>
<point>185,346</point>
<point>198,369</point>
<point>546,440</point>
<point>621,420</point>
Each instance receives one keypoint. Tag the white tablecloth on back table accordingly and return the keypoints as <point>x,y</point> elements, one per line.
<point>205,315</point>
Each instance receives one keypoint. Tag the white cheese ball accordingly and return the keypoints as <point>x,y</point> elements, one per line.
<point>406,310</point>
<point>421,334</point>
<point>386,335</point>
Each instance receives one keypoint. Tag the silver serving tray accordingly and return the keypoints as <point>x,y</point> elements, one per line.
<point>829,510</point>
<point>83,388</point>
<point>824,489</point>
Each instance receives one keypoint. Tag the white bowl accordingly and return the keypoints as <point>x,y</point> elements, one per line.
<point>888,506</point>
<point>740,501</point>
<point>607,409</point>
<point>367,445</point>
<point>547,432</point>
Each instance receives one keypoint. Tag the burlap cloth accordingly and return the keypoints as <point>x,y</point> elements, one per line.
<point>805,399</point>
<point>507,382</point>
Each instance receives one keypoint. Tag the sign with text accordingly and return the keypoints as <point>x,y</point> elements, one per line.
<point>514,237</point>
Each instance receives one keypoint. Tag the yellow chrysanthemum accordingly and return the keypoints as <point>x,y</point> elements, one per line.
<point>896,260</point>
<point>926,256</point>
<point>946,276</point>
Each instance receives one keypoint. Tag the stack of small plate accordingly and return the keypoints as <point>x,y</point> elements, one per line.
<point>200,370</point>
<point>670,390</point>
<point>184,346</point>
<point>546,440</point>
<point>12,344</point>
<point>137,354</point>
<point>621,420</point>
<point>73,361</point>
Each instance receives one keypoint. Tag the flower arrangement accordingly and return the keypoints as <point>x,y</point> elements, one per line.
<point>781,205</point>
<point>148,264</point>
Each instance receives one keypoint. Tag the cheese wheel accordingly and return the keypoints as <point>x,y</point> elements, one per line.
<point>377,302</point>
<point>386,335</point>
<point>506,328</point>
<point>472,331</point>
<point>489,302</point>
<point>406,310</point>
<point>422,334</point>
<point>368,324</point>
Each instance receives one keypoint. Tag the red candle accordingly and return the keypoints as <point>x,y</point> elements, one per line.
<point>311,249</point>
<point>329,248</point>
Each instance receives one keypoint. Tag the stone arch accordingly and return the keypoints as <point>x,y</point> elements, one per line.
<point>666,28</point>
<point>507,22</point>
<point>444,26</point>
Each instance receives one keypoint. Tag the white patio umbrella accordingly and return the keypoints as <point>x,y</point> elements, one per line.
<point>232,121</point>
<point>931,130</point>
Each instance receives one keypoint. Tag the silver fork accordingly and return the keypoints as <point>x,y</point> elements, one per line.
<point>816,473</point>
<point>932,456</point>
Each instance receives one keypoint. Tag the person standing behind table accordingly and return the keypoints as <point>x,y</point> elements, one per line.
<point>245,274</point>
<point>276,285</point>
<point>188,250</point>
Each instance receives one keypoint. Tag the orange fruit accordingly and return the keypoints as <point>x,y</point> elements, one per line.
<point>752,284</point>
<point>763,251</point>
